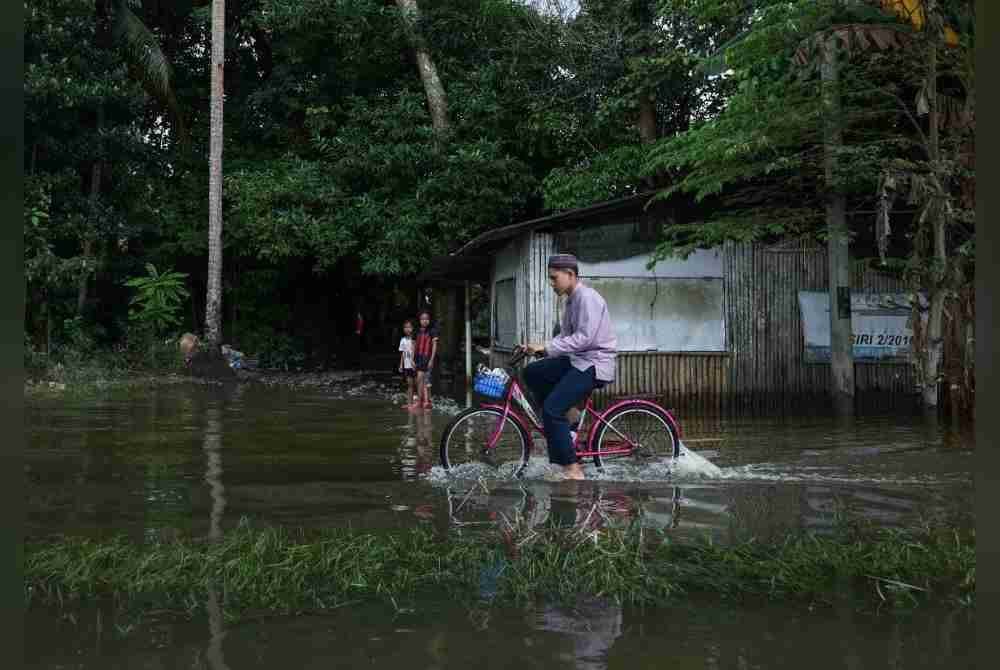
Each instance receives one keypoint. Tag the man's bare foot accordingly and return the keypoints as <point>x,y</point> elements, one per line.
<point>574,471</point>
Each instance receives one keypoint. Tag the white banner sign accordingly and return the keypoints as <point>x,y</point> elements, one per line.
<point>878,323</point>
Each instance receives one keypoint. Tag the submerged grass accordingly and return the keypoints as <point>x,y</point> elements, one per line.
<point>280,571</point>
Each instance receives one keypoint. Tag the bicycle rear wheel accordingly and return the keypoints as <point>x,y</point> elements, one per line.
<point>640,424</point>
<point>466,438</point>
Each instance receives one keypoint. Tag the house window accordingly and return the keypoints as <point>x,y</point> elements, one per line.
<point>665,314</point>
<point>504,314</point>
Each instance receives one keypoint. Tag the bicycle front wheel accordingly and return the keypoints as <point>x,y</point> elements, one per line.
<point>638,433</point>
<point>467,438</point>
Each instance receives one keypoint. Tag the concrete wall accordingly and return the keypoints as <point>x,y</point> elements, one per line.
<point>701,263</point>
<point>677,306</point>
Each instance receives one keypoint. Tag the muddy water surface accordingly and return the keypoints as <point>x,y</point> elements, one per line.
<point>157,463</point>
<point>186,461</point>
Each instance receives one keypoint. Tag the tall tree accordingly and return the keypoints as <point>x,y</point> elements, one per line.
<point>838,236</point>
<point>437,99</point>
<point>213,298</point>
<point>627,75</point>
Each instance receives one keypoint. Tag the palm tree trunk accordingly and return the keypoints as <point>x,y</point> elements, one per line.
<point>841,340</point>
<point>437,100</point>
<point>213,300</point>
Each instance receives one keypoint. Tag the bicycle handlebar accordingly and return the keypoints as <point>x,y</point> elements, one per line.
<point>519,354</point>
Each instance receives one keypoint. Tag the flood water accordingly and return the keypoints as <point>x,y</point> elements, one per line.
<point>189,460</point>
<point>590,636</point>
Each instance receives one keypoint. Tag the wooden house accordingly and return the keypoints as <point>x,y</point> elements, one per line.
<point>723,327</point>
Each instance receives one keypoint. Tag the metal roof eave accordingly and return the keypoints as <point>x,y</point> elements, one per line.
<point>559,220</point>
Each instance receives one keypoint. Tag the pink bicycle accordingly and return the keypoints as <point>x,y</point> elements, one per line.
<point>501,432</point>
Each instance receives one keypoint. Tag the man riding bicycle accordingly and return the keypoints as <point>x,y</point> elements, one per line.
<point>579,359</point>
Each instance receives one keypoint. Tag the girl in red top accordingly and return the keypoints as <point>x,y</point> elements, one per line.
<point>424,352</point>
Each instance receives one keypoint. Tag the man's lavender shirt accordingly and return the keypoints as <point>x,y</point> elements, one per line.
<point>586,335</point>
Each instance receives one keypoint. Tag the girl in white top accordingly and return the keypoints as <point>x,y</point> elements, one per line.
<point>406,367</point>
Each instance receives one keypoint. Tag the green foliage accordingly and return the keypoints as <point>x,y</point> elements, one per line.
<point>273,350</point>
<point>332,164</point>
<point>762,155</point>
<point>360,176</point>
<point>287,571</point>
<point>617,53</point>
<point>35,361</point>
<point>158,299</point>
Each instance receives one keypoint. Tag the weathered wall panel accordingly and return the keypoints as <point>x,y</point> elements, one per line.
<point>766,328</point>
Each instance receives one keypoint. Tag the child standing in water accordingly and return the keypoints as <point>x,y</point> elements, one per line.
<point>425,351</point>
<point>406,366</point>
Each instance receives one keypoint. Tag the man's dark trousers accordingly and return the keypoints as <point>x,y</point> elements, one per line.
<point>557,386</point>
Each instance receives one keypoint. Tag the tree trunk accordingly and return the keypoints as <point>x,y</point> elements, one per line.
<point>447,316</point>
<point>213,298</point>
<point>647,126</point>
<point>88,241</point>
<point>647,117</point>
<point>437,100</point>
<point>47,309</point>
<point>647,97</point>
<point>938,290</point>
<point>81,292</point>
<point>934,343</point>
<point>841,339</point>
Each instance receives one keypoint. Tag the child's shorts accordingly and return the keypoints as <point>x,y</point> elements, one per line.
<point>409,373</point>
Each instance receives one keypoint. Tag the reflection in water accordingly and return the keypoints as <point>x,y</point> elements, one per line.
<point>701,635</point>
<point>212,446</point>
<point>417,454</point>
<point>143,463</point>
<point>583,505</point>
<point>591,627</point>
<point>214,655</point>
<point>136,466</point>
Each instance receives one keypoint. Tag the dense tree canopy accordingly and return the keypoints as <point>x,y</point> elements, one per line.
<point>338,185</point>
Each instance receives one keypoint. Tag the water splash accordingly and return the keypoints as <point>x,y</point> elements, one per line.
<point>689,465</point>
<point>792,473</point>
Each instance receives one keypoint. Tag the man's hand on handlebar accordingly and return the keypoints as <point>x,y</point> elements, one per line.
<point>535,350</point>
<point>523,351</point>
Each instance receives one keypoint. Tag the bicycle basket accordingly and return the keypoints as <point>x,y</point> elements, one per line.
<point>490,384</point>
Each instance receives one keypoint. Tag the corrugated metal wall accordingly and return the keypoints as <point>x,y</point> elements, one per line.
<point>682,381</point>
<point>765,327</point>
<point>765,364</point>
<point>539,298</point>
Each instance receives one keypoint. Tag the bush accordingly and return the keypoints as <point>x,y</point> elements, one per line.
<point>145,349</point>
<point>271,349</point>
<point>35,361</point>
